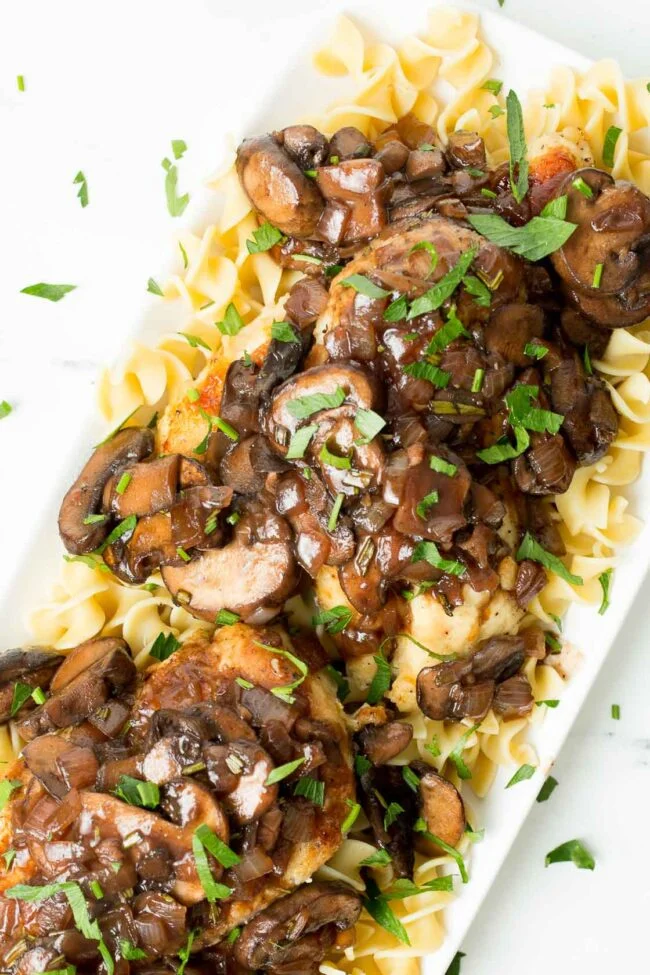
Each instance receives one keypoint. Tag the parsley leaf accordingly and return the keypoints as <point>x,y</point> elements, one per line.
<point>303,406</point>
<point>300,440</point>
<point>264,238</point>
<point>369,424</point>
<point>21,693</point>
<point>164,646</point>
<point>7,787</point>
<point>282,771</point>
<point>538,238</point>
<point>434,298</point>
<point>334,620</point>
<point>504,450</point>
<point>82,195</point>
<point>380,682</point>
<point>377,907</point>
<point>456,754</point>
<point>547,789</point>
<point>179,147</point>
<point>5,409</point>
<point>138,792</point>
<point>175,204</point>
<point>523,772</point>
<point>51,292</point>
<point>518,149</point>
<point>609,145</point>
<point>154,288</point>
<point>364,286</point>
<point>397,310</point>
<point>605,580</point>
<point>573,851</point>
<point>311,789</point>
<point>531,549</point>
<point>428,552</point>
<point>284,332</point>
<point>232,322</point>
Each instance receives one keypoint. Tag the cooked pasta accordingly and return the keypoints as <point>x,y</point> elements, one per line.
<point>439,76</point>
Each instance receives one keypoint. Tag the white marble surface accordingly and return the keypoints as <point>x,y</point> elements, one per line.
<point>107,87</point>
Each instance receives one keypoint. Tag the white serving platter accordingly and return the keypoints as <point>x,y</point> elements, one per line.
<point>290,90</point>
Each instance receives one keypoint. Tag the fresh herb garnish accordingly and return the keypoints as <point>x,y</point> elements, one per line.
<point>397,310</point>
<point>124,529</point>
<point>300,440</point>
<point>282,771</point>
<point>332,521</point>
<point>447,333</point>
<point>392,812</point>
<point>478,290</point>
<point>535,351</point>
<point>184,952</point>
<point>342,684</point>
<point>195,341</point>
<point>175,204</point>
<point>616,712</point>
<point>381,680</point>
<point>264,238</point>
<point>364,286</point>
<point>556,208</point>
<point>82,195</point>
<point>523,414</point>
<point>164,646</point>
<point>598,276</point>
<point>179,147</point>
<point>425,245</point>
<point>377,907</point>
<point>51,292</point>
<point>303,406</point>
<point>7,788</point>
<point>123,483</point>
<point>547,789</point>
<point>219,850</point>
<point>186,259</point>
<point>433,748</point>
<point>20,82</point>
<point>22,692</point>
<point>225,618</point>
<point>518,149</point>
<point>582,187</point>
<point>406,888</point>
<point>573,851</point>
<point>495,110</point>
<point>434,298</point>
<point>477,381</point>
<point>531,549</point>
<point>232,323</point>
<point>154,288</point>
<point>456,754</point>
<point>538,238</point>
<point>334,620</point>
<point>493,85</point>
<point>426,370</point>
<point>129,951</point>
<point>362,765</point>
<point>454,968</point>
<point>369,424</point>
<point>351,817</point>
<point>609,145</point>
<point>442,466</point>
<point>421,827</point>
<point>422,507</point>
<point>212,890</point>
<point>311,789</point>
<point>550,702</point>
<point>523,772</point>
<point>137,792</point>
<point>330,459</point>
<point>284,332</point>
<point>5,409</point>
<point>605,580</point>
<point>428,552</point>
<point>380,858</point>
<point>412,780</point>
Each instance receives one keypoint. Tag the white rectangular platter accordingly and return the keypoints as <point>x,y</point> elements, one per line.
<point>290,90</point>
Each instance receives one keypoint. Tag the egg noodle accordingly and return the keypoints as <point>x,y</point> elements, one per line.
<point>437,74</point>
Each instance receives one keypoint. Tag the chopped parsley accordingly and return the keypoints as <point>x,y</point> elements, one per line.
<point>311,789</point>
<point>51,292</point>
<point>605,580</point>
<point>364,286</point>
<point>82,195</point>
<point>164,646</point>
<point>609,145</point>
<point>573,851</point>
<point>547,789</point>
<point>264,238</point>
<point>334,620</point>
<point>531,549</point>
<point>303,406</point>
<point>523,772</point>
<point>428,552</point>
<point>434,298</point>
<point>518,148</point>
<point>137,792</point>
<point>232,322</point>
<point>284,332</point>
<point>538,238</point>
<point>381,680</point>
<point>282,771</point>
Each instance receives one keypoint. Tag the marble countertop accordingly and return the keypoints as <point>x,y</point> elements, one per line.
<point>107,88</point>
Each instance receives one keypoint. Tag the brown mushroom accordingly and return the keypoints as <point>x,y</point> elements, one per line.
<point>381,743</point>
<point>547,467</point>
<point>442,808</point>
<point>33,666</point>
<point>60,765</point>
<point>349,143</point>
<point>306,302</point>
<point>251,576</point>
<point>513,698</point>
<point>266,941</point>
<point>78,532</point>
<point>84,682</point>
<point>306,145</point>
<point>285,415</point>
<point>238,773</point>
<point>439,520</point>
<point>277,186</point>
<point>466,149</point>
<point>143,488</point>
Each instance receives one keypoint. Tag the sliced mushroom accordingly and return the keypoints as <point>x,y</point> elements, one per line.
<point>381,743</point>
<point>443,695</point>
<point>442,808</point>
<point>349,143</point>
<point>306,506</point>
<point>193,518</point>
<point>346,462</point>
<point>513,698</point>
<point>143,488</point>
<point>511,328</point>
<point>277,186</point>
<point>60,765</point>
<point>190,804</point>
<point>137,554</point>
<point>466,149</point>
<point>360,185</point>
<point>531,579</point>
<point>547,467</point>
<point>437,519</point>
<point>358,386</point>
<point>306,302</point>
<point>83,687</point>
<point>251,576</point>
<point>498,658</point>
<point>84,498</point>
<point>266,941</point>
<point>238,773</point>
<point>380,787</point>
<point>306,145</point>
<point>34,667</point>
